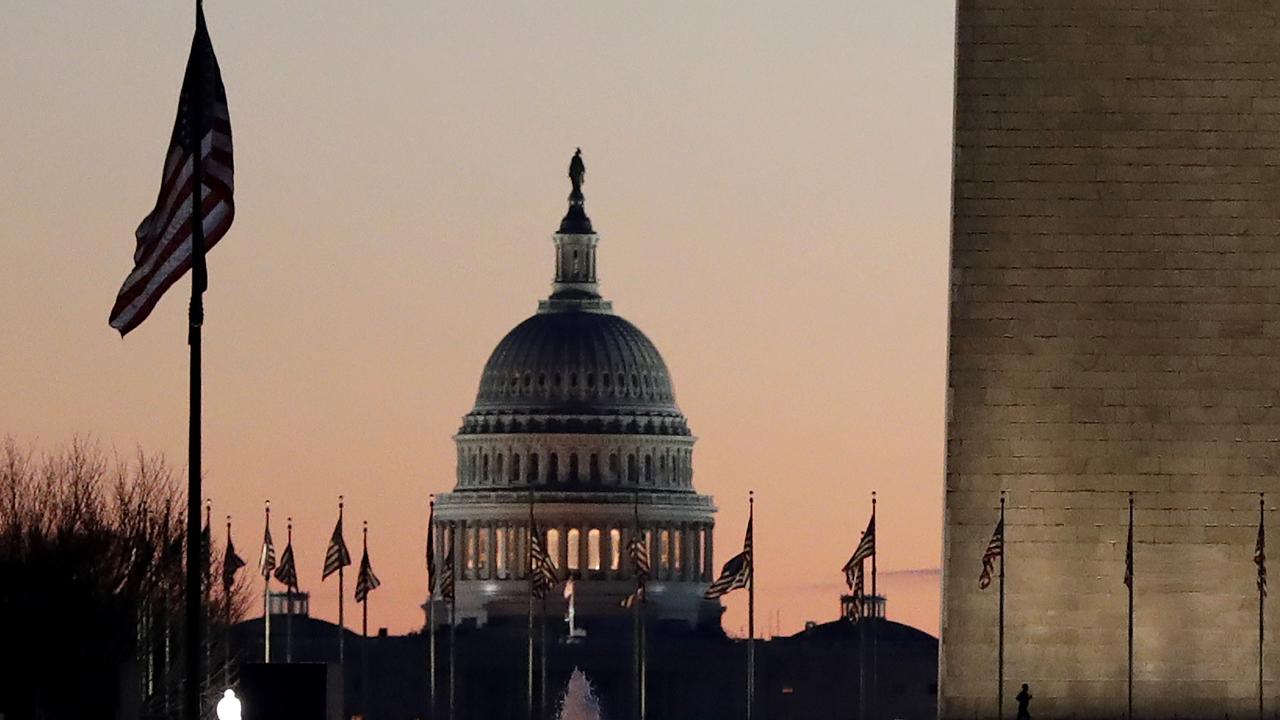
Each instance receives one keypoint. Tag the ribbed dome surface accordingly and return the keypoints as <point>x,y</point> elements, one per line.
<point>576,363</point>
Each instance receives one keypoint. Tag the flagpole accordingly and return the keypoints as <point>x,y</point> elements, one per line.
<point>529,559</point>
<point>364,629</point>
<point>199,281</point>
<point>1262,521</point>
<point>637,620</point>
<point>751,610</point>
<point>288,606</point>
<point>266,600</point>
<point>226,643</point>
<point>1000,641</point>
<point>342,625</point>
<point>453,623</point>
<point>431,603</point>
<point>1130,716</point>
<point>875,619</point>
<point>542,648</point>
<point>206,560</point>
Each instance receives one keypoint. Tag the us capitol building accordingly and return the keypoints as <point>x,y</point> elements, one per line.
<point>576,415</point>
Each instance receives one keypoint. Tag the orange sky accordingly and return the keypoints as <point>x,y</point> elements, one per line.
<point>770,183</point>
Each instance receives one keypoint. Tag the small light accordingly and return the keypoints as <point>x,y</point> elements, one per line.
<point>229,706</point>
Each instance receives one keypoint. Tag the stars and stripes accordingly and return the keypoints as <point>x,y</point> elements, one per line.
<point>164,238</point>
<point>638,551</point>
<point>267,558</point>
<point>448,569</point>
<point>637,596</point>
<point>1260,555</point>
<point>1128,552</point>
<point>231,564</point>
<point>542,570</point>
<point>736,573</point>
<point>431,549</point>
<point>336,556</point>
<point>366,581</point>
<point>994,551</point>
<point>287,572</point>
<point>866,549</point>
<point>857,585</point>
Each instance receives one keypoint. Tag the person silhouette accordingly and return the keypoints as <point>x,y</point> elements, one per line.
<point>1024,700</point>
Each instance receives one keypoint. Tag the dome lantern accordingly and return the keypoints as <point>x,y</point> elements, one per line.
<point>575,286</point>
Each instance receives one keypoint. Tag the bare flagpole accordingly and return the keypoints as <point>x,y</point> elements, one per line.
<point>453,622</point>
<point>751,608</point>
<point>199,282</point>
<point>288,606</point>
<point>875,619</point>
<point>206,563</point>
<point>431,603</point>
<point>364,631</point>
<point>226,642</point>
<point>529,564</point>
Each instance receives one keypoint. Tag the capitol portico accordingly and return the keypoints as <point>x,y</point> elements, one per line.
<point>576,421</point>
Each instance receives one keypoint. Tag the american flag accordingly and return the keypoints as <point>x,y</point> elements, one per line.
<point>638,551</point>
<point>859,591</point>
<point>737,572</point>
<point>542,570</point>
<point>447,584</point>
<point>995,550</point>
<point>365,580</point>
<point>431,549</point>
<point>164,238</point>
<point>267,559</point>
<point>1260,556</point>
<point>336,556</point>
<point>287,573</point>
<point>866,548</point>
<point>1128,551</point>
<point>231,563</point>
<point>637,596</point>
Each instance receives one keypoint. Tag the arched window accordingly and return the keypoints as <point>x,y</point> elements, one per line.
<point>573,467</point>
<point>615,549</point>
<point>572,539</point>
<point>594,468</point>
<point>648,469</point>
<point>662,469</point>
<point>593,549</point>
<point>553,468</point>
<point>615,468</point>
<point>531,471</point>
<point>471,478</point>
<point>553,546</point>
<point>484,477</point>
<point>515,468</point>
<point>497,467</point>
<point>633,470</point>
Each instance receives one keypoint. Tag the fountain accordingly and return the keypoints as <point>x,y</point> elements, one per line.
<point>579,701</point>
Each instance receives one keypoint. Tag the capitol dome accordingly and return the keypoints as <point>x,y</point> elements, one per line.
<point>576,426</point>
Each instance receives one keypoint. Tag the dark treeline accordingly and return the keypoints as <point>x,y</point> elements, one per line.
<point>92,557</point>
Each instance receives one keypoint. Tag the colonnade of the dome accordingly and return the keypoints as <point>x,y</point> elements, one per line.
<point>619,461</point>
<point>497,550</point>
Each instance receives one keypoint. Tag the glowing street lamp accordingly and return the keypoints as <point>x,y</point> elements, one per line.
<point>229,706</point>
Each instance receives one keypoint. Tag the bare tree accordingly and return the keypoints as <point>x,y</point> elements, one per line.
<point>92,551</point>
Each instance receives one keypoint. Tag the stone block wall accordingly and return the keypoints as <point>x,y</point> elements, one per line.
<point>1115,327</point>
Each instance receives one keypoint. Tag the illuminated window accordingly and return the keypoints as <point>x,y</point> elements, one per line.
<point>701,549</point>
<point>553,546</point>
<point>676,550</point>
<point>500,550</point>
<point>571,540</point>
<point>469,551</point>
<point>482,552</point>
<point>664,560</point>
<point>593,549</point>
<point>615,549</point>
